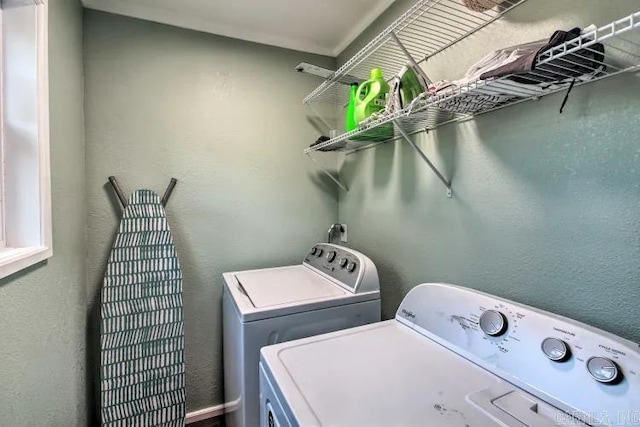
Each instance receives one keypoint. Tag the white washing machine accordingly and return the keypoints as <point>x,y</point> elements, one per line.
<point>454,357</point>
<point>334,288</point>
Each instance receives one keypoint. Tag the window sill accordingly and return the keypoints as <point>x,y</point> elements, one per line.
<point>13,260</point>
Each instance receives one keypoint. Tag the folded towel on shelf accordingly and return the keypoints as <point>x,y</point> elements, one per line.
<point>470,102</point>
<point>457,97</point>
<point>467,102</point>
<point>523,69</point>
<point>496,59</point>
<point>500,59</point>
<point>441,86</point>
<point>481,90</point>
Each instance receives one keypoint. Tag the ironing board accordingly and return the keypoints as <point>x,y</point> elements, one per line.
<point>142,369</point>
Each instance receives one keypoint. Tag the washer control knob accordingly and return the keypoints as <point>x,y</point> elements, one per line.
<point>314,250</point>
<point>555,349</point>
<point>343,262</point>
<point>493,323</point>
<point>352,267</point>
<point>319,253</point>
<point>603,370</point>
<point>331,255</point>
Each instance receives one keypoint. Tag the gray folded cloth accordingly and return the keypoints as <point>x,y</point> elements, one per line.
<point>523,69</point>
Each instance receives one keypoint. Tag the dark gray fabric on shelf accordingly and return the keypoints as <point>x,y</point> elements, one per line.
<point>524,70</point>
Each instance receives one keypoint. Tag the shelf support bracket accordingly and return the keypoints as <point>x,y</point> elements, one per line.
<point>320,117</point>
<point>413,62</point>
<point>424,157</point>
<point>329,174</point>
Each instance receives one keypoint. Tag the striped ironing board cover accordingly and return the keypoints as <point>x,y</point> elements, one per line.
<point>142,378</point>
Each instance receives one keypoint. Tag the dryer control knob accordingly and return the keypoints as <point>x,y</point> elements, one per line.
<point>343,262</point>
<point>555,349</point>
<point>352,267</point>
<point>493,323</point>
<point>319,253</point>
<point>331,255</point>
<point>314,250</point>
<point>603,370</point>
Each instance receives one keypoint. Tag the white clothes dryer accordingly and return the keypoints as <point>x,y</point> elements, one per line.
<point>454,357</point>
<point>334,288</point>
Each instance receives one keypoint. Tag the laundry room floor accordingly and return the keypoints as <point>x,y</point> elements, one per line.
<point>214,422</point>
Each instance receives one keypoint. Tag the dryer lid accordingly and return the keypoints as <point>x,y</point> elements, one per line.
<point>287,285</point>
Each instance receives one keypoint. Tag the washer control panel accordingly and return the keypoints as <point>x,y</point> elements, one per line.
<point>587,372</point>
<point>344,265</point>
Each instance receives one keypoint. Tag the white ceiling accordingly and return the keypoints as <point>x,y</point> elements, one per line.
<point>325,27</point>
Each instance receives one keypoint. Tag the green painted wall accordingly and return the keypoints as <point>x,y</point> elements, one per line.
<point>546,207</point>
<point>42,309</point>
<point>225,118</point>
<point>545,211</point>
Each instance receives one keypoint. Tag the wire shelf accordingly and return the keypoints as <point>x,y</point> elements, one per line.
<point>554,71</point>
<point>426,29</point>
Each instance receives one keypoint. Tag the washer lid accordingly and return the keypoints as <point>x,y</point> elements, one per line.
<point>386,374</point>
<point>288,285</point>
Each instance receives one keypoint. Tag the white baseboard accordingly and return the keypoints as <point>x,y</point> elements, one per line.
<point>205,414</point>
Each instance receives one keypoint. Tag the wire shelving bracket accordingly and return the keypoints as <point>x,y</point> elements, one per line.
<point>327,173</point>
<point>431,26</point>
<point>424,157</point>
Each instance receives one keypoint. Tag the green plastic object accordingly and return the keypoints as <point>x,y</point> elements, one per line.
<point>371,96</point>
<point>411,86</point>
<point>350,122</point>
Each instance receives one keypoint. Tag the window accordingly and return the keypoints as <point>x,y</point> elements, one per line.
<point>25,190</point>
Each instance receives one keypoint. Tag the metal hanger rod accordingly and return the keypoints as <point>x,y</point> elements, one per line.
<point>167,193</point>
<point>123,199</point>
<point>118,191</point>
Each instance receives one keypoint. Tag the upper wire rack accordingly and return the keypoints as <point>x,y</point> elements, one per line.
<point>426,29</point>
<point>621,54</point>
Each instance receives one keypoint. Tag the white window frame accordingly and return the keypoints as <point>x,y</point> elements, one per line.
<point>25,176</point>
<point>2,233</point>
